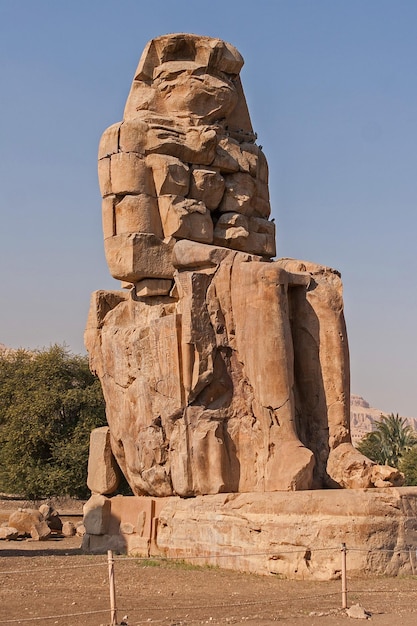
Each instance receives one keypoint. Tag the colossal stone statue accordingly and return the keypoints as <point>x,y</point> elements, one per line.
<point>222,370</point>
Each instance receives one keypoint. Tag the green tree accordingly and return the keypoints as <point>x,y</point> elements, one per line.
<point>408,465</point>
<point>390,440</point>
<point>49,403</point>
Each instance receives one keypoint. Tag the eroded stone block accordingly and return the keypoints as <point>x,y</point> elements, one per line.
<point>132,136</point>
<point>137,214</point>
<point>8,534</point>
<point>40,532</point>
<point>184,218</point>
<point>109,142</point>
<point>239,194</point>
<point>97,512</point>
<point>153,287</point>
<point>108,216</point>
<point>103,472</point>
<point>130,175</point>
<point>24,520</point>
<point>104,176</point>
<point>208,186</point>
<point>171,176</point>
<point>132,257</point>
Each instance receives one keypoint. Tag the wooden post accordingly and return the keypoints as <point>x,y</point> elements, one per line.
<point>344,578</point>
<point>113,610</point>
<point>411,561</point>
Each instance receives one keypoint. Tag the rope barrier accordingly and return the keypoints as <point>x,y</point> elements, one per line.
<point>50,569</point>
<point>244,555</point>
<point>164,559</point>
<point>33,619</point>
<point>372,550</point>
<point>173,607</point>
<point>273,553</point>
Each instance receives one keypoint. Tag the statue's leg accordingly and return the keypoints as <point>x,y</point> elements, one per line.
<point>264,345</point>
<point>322,376</point>
<point>321,366</point>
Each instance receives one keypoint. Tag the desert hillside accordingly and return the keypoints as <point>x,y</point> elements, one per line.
<point>363,416</point>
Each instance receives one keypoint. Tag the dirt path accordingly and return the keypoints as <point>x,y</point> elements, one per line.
<point>53,583</point>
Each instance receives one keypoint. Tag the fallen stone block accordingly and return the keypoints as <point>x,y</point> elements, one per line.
<point>24,519</point>
<point>51,517</point>
<point>9,534</point>
<point>40,532</point>
<point>68,529</point>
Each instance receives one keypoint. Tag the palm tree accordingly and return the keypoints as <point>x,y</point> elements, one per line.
<point>391,438</point>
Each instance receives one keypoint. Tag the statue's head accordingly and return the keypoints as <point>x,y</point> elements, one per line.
<point>183,163</point>
<point>190,76</point>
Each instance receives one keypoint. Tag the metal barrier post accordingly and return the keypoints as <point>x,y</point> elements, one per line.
<point>344,578</point>
<point>113,610</point>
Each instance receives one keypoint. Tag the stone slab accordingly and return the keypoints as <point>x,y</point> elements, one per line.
<point>103,472</point>
<point>297,535</point>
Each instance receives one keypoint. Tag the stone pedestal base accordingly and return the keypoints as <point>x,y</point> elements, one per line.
<point>295,535</point>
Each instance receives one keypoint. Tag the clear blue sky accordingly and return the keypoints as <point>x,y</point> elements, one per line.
<point>332,91</point>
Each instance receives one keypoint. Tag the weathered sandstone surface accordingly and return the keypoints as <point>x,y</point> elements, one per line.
<point>222,370</point>
<point>296,537</point>
<point>225,373</point>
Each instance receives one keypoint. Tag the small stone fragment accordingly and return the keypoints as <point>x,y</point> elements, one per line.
<point>126,528</point>
<point>68,529</point>
<point>357,612</point>
<point>80,529</point>
<point>46,511</point>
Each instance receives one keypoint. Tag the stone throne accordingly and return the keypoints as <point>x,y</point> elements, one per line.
<point>222,370</point>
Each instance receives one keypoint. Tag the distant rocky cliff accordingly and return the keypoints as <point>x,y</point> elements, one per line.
<point>363,417</point>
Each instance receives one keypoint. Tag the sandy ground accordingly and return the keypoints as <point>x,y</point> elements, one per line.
<point>52,582</point>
